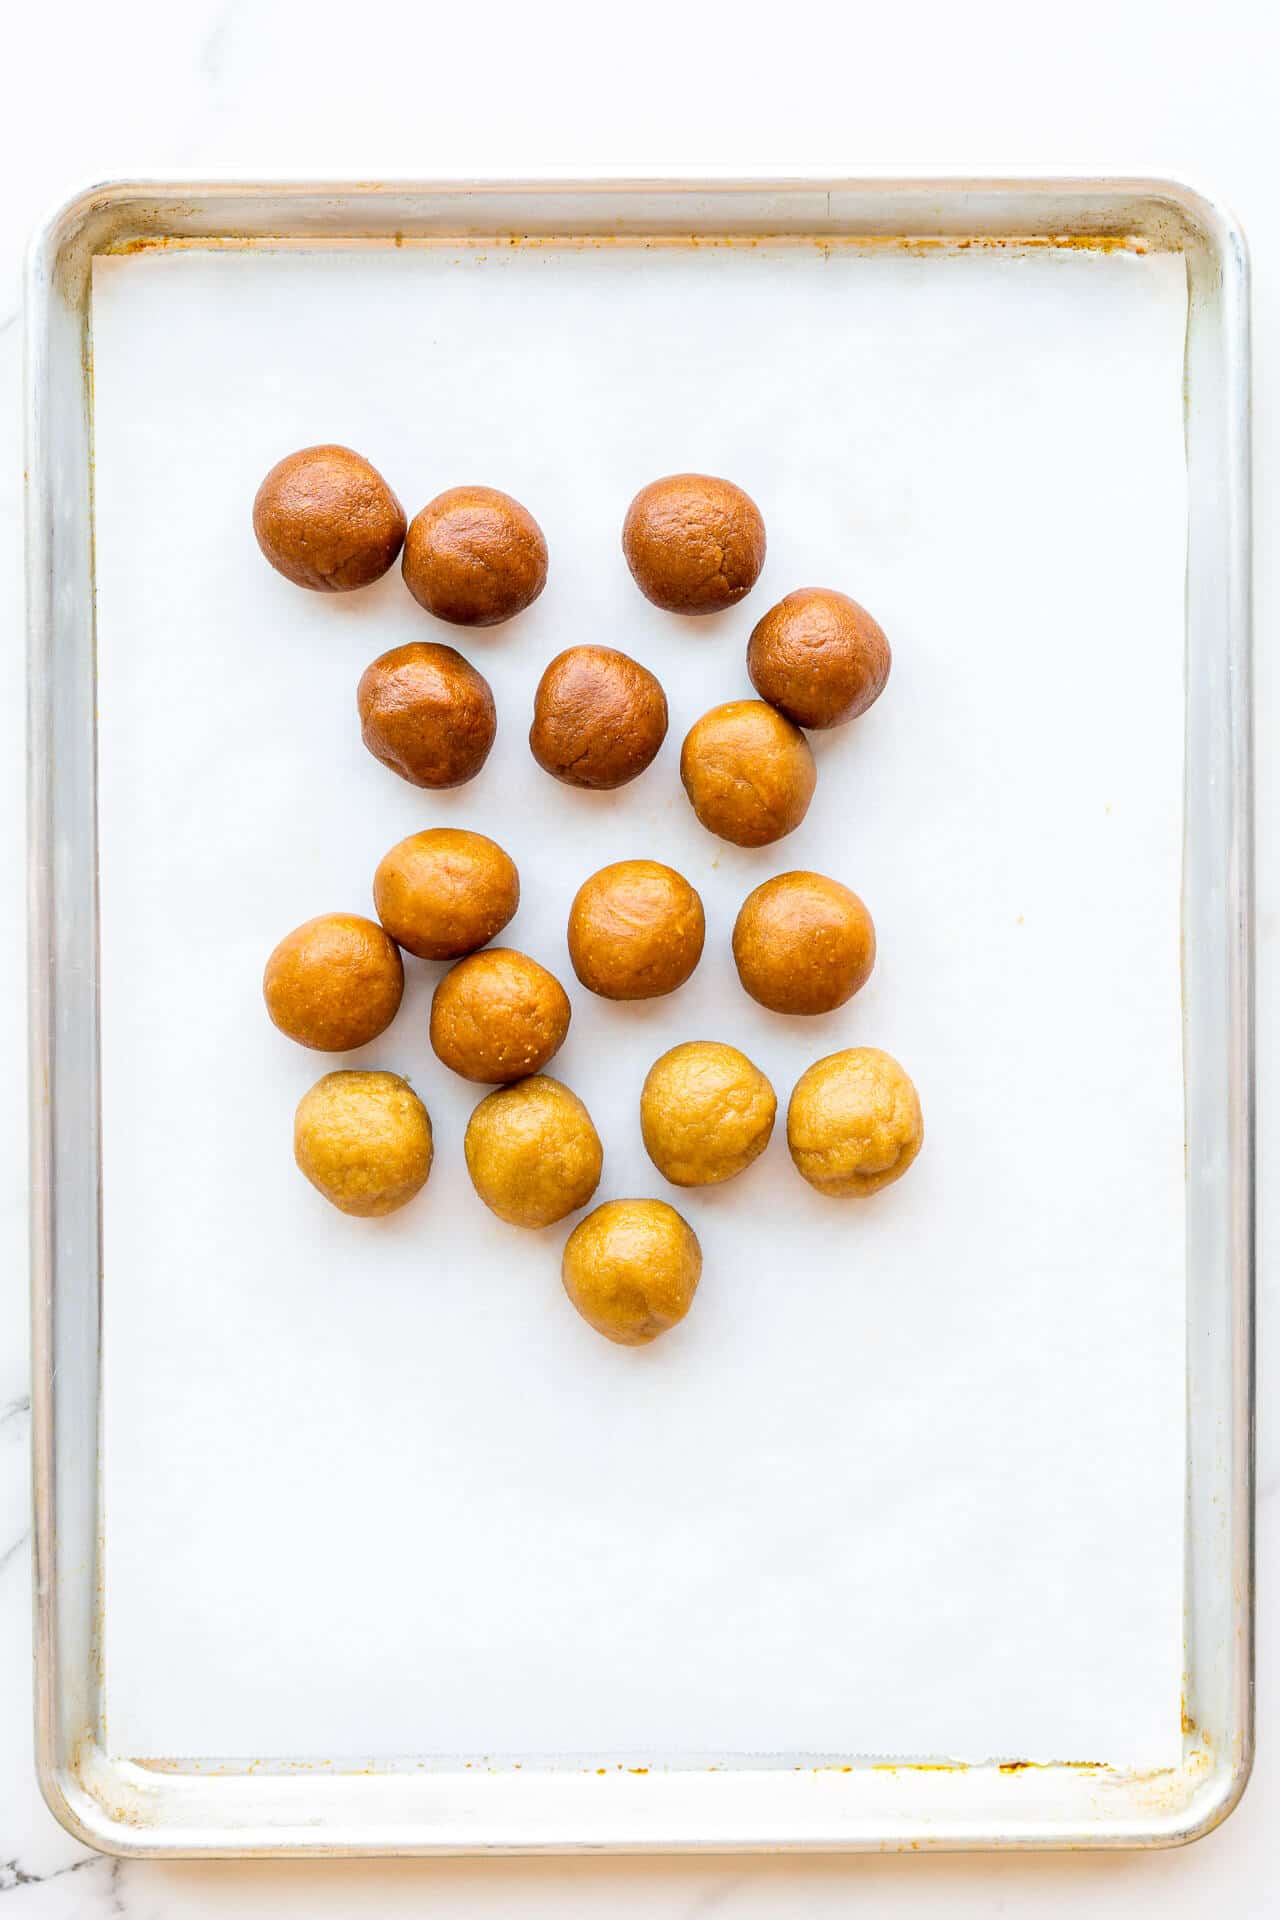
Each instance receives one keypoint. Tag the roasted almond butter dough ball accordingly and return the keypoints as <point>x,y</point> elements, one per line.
<point>706,1112</point>
<point>474,556</point>
<point>444,892</point>
<point>694,544</point>
<point>599,718</point>
<point>498,1016</point>
<point>748,773</point>
<point>803,943</point>
<point>854,1124</point>
<point>426,713</point>
<point>327,520</point>
<point>635,930</point>
<point>364,1141</point>
<point>818,657</point>
<point>631,1269</point>
<point>532,1152</point>
<point>334,983</point>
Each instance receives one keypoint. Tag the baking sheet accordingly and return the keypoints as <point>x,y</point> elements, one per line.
<point>910,1479</point>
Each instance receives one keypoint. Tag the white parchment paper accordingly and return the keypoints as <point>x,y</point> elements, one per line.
<point>909,1480</point>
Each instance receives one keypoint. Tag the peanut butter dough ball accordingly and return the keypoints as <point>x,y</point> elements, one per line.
<point>498,1016</point>
<point>599,717</point>
<point>631,1269</point>
<point>748,773</point>
<point>694,544</point>
<point>818,657</point>
<point>326,519</point>
<point>803,943</point>
<point>334,983</point>
<point>444,892</point>
<point>474,556</point>
<point>363,1140</point>
<point>635,930</point>
<point>532,1152</point>
<point>705,1112</point>
<point>427,714</point>
<point>854,1123</point>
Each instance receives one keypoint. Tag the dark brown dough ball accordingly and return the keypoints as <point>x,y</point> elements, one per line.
<point>334,983</point>
<point>427,714</point>
<point>818,657</point>
<point>326,519</point>
<point>475,556</point>
<point>694,544</point>
<point>748,773</point>
<point>599,717</point>
<point>803,943</point>
<point>635,930</point>
<point>445,892</point>
<point>498,1016</point>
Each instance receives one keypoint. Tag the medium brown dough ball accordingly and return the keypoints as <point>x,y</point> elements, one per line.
<point>803,943</point>
<point>363,1140</point>
<point>818,657</point>
<point>631,1269</point>
<point>334,983</point>
<point>532,1152</point>
<point>705,1112</point>
<point>748,773</point>
<point>326,519</point>
<point>635,930</point>
<point>445,892</point>
<point>854,1123</point>
<point>474,556</point>
<point>599,717</point>
<point>498,1016</point>
<point>694,544</point>
<point>427,714</point>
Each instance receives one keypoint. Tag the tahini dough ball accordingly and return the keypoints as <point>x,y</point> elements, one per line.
<point>474,556</point>
<point>599,718</point>
<point>364,1141</point>
<point>694,544</point>
<point>818,657</point>
<point>444,892</point>
<point>854,1123</point>
<point>635,930</point>
<point>631,1269</point>
<point>803,943</point>
<point>427,714</point>
<point>532,1152</point>
<point>498,1016</point>
<point>706,1112</point>
<point>748,773</point>
<point>334,983</point>
<point>326,519</point>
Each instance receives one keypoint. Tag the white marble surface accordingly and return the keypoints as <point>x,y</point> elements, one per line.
<point>282,87</point>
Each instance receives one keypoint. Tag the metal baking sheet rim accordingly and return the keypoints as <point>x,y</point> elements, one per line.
<point>357,1807</point>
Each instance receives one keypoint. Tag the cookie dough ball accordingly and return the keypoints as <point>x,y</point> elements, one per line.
<point>363,1140</point>
<point>445,892</point>
<point>498,1016</point>
<point>334,983</point>
<point>631,1269</point>
<point>694,544</point>
<point>532,1152</point>
<point>427,714</point>
<point>599,717</point>
<point>635,930</point>
<point>803,943</point>
<point>748,773</point>
<point>818,657</point>
<point>706,1113</point>
<point>474,556</point>
<point>326,519</point>
<point>854,1123</point>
